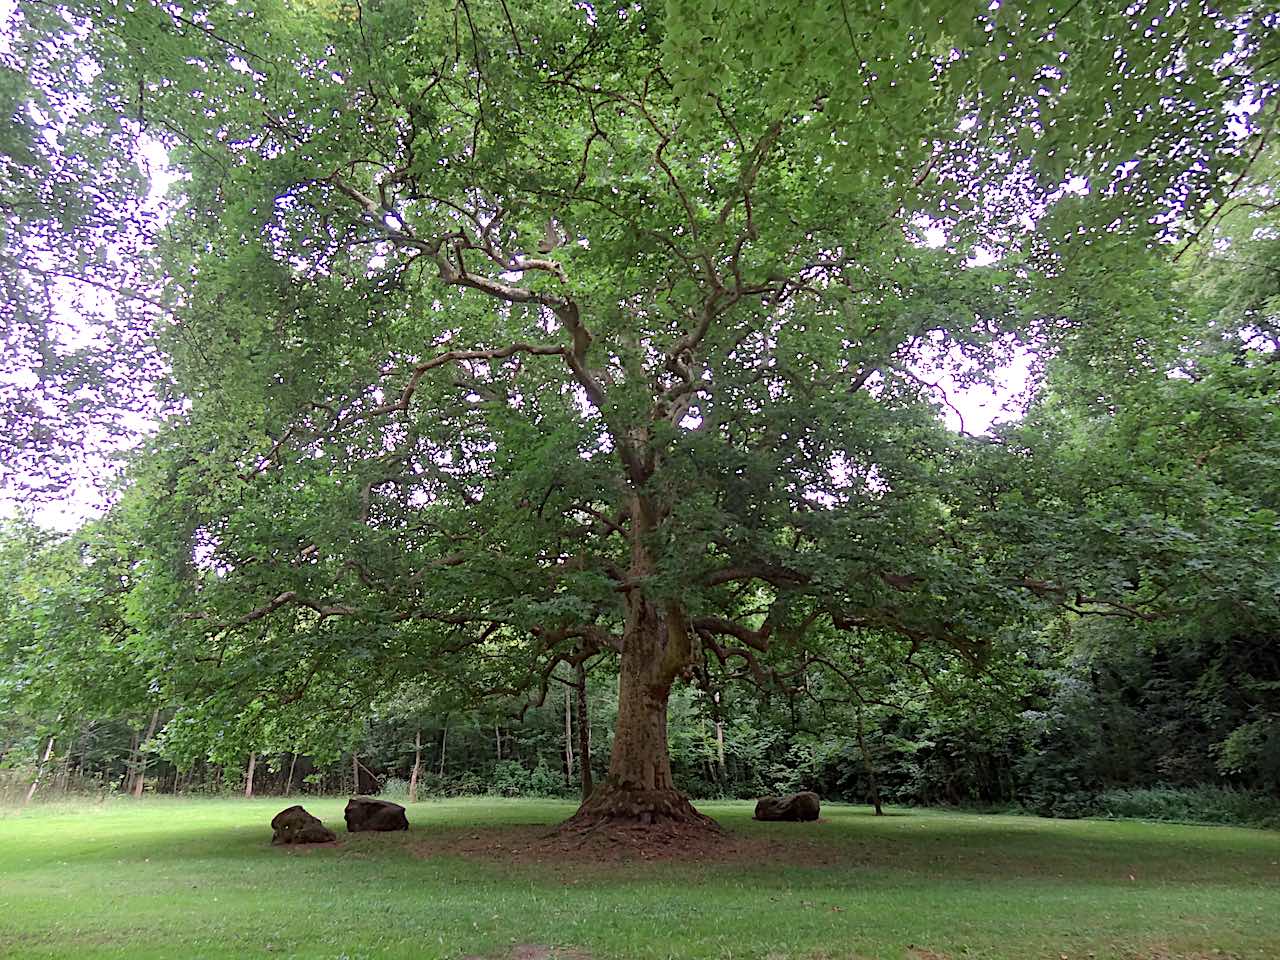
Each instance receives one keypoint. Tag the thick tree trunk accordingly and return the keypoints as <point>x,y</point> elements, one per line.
<point>639,788</point>
<point>657,647</point>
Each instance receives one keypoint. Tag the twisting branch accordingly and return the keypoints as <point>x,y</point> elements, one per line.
<point>611,524</point>
<point>756,639</point>
<point>456,356</point>
<point>274,604</point>
<point>778,576</point>
<point>448,253</point>
<point>747,179</point>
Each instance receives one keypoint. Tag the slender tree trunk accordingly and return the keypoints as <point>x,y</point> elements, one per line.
<point>288,784</point>
<point>417,766</point>
<point>248,777</point>
<point>44,760</point>
<point>568,738</point>
<point>444,736</point>
<point>497,739</point>
<point>584,730</point>
<point>722,773</point>
<point>141,780</point>
<point>377,781</point>
<point>872,788</point>
<point>355,774</point>
<point>131,765</point>
<point>63,775</point>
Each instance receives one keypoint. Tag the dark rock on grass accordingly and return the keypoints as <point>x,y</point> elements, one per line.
<point>295,825</point>
<point>796,806</point>
<point>365,813</point>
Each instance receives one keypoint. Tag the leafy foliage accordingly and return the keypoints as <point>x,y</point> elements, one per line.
<point>500,339</point>
<point>76,309</point>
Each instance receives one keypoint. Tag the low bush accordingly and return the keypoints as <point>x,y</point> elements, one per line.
<point>394,788</point>
<point>1202,804</point>
<point>1198,804</point>
<point>510,779</point>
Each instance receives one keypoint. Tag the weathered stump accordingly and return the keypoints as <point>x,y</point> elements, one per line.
<point>365,813</point>
<point>295,825</point>
<point>796,806</point>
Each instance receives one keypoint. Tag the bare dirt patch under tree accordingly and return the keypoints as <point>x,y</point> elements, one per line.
<point>628,844</point>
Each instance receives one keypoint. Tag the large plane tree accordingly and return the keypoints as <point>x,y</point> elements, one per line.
<point>500,336</point>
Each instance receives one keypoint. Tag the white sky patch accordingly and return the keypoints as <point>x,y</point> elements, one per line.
<point>975,409</point>
<point>7,7</point>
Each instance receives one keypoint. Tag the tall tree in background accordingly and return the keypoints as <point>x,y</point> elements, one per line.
<point>511,335</point>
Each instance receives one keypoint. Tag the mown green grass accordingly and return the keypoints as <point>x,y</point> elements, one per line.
<point>199,879</point>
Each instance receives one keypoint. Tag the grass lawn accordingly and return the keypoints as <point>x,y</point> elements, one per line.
<point>198,878</point>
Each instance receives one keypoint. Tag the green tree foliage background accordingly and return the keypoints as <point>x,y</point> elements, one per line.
<point>495,340</point>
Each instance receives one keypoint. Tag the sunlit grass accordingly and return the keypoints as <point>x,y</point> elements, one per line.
<point>200,879</point>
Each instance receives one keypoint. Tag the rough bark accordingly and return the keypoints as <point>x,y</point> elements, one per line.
<point>639,788</point>
<point>657,647</point>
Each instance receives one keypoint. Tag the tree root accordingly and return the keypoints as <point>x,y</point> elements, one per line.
<point>636,817</point>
